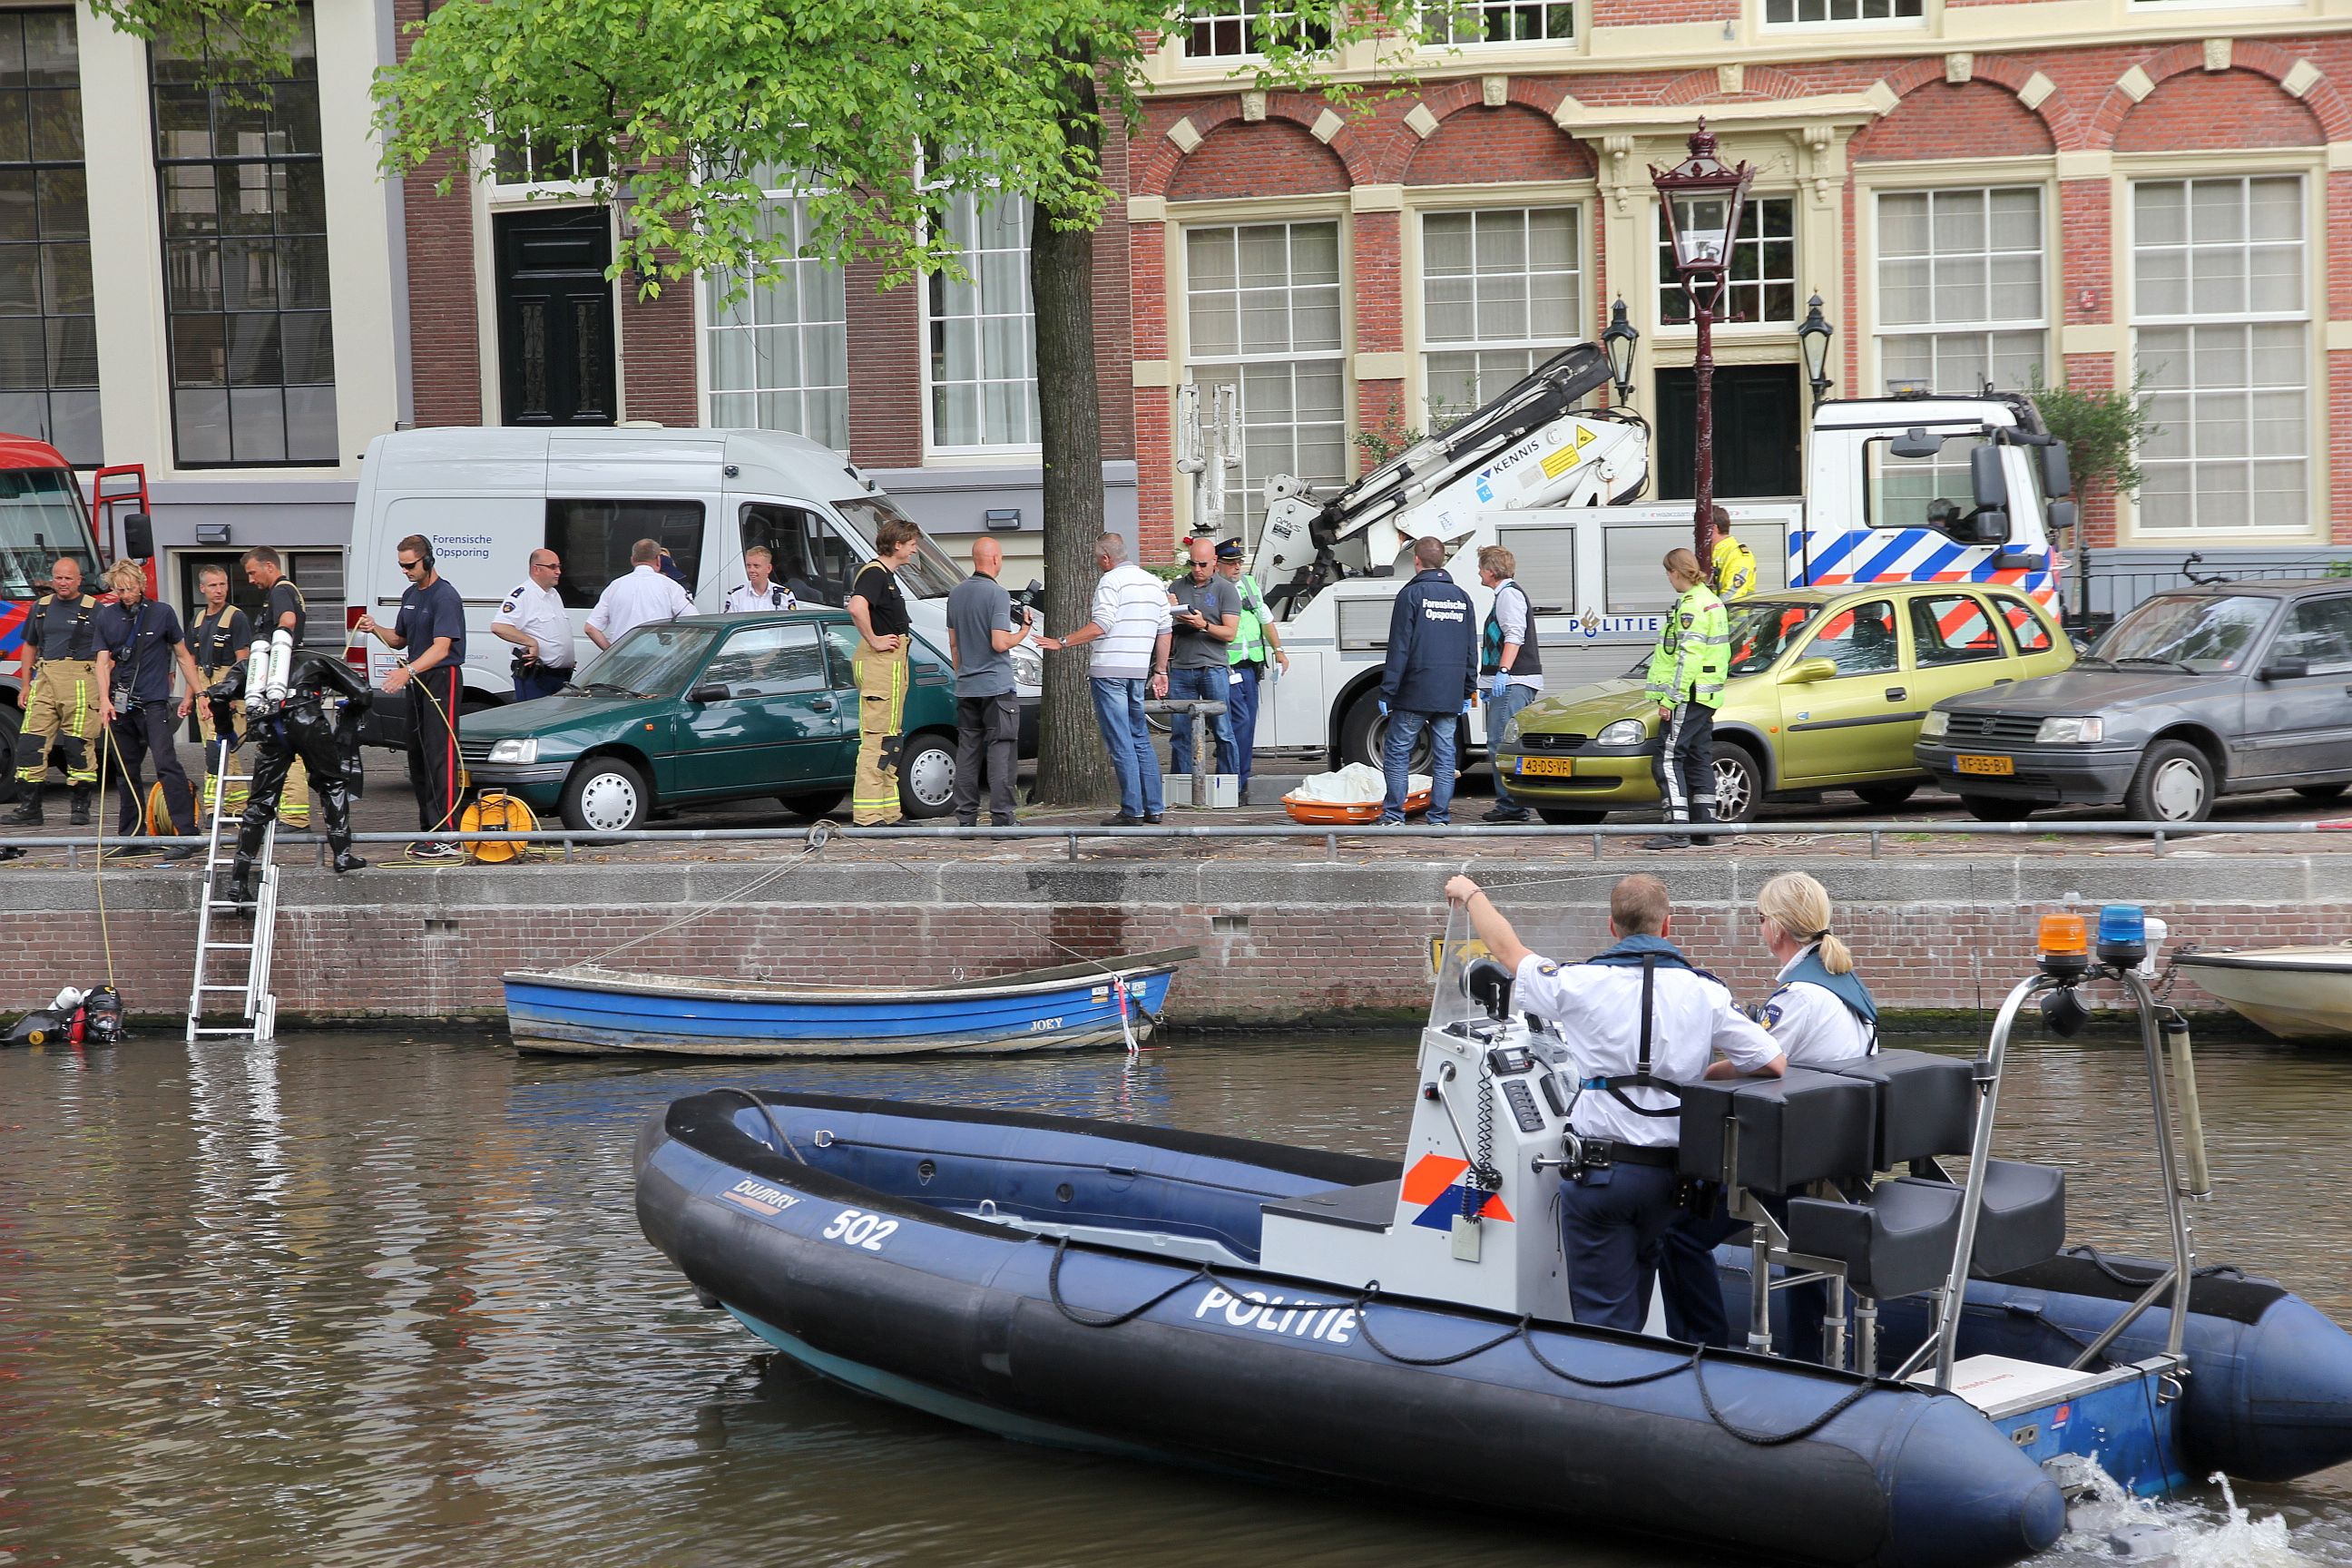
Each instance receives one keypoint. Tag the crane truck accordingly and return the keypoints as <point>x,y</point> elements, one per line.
<point>1913,487</point>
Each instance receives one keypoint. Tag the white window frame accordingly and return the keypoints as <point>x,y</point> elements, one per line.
<point>501,189</point>
<point>1245,12</point>
<point>1193,362</point>
<point>2314,384</point>
<point>706,297</point>
<point>1579,309</point>
<point>1842,25</point>
<point>1659,249</point>
<point>1468,8</point>
<point>932,446</point>
<point>1881,331</point>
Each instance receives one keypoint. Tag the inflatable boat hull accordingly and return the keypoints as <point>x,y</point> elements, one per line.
<point>1228,1366</point>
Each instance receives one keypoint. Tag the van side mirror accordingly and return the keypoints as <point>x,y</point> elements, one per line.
<point>710,691</point>
<point>2057,475</point>
<point>1805,671</point>
<point>1986,478</point>
<point>2063,514</point>
<point>1916,443</point>
<point>1989,526</point>
<point>139,536</point>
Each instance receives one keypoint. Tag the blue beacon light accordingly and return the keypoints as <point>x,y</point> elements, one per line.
<point>2123,935</point>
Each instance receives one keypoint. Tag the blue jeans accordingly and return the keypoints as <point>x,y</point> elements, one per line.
<point>1500,711</point>
<point>1119,712</point>
<point>1243,694</point>
<point>1200,685</point>
<point>1396,752</point>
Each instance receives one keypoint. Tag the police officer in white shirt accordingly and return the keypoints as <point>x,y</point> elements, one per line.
<point>643,596</point>
<point>1638,1019</point>
<point>762,591</point>
<point>533,618</point>
<point>1820,1015</point>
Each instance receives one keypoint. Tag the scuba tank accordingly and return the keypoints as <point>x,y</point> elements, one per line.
<point>265,682</point>
<point>49,1025</point>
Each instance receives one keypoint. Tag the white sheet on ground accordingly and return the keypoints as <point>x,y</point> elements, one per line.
<point>1357,783</point>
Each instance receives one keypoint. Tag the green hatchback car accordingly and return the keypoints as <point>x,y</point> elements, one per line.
<point>1827,690</point>
<point>711,708</point>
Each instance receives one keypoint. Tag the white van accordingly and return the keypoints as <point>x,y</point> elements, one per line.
<point>487,497</point>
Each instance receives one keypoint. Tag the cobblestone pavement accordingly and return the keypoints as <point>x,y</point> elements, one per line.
<point>1819,826</point>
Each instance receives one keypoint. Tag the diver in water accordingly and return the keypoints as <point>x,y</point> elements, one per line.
<point>288,693</point>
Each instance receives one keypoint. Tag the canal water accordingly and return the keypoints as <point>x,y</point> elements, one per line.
<point>382,1300</point>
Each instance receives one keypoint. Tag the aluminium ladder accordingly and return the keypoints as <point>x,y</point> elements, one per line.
<point>258,1014</point>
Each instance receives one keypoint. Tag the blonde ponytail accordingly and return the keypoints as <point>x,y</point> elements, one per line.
<point>1800,907</point>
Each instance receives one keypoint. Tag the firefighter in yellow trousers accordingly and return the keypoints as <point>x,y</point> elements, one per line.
<point>61,696</point>
<point>884,630</point>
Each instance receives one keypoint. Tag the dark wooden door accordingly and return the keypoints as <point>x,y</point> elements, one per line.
<point>555,317</point>
<point>1758,411</point>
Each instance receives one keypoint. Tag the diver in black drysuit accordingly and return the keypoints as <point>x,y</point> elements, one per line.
<point>299,727</point>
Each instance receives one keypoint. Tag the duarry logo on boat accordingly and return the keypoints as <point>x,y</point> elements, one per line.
<point>760,1197</point>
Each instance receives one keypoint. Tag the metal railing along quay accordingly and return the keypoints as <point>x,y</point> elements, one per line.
<point>2157,835</point>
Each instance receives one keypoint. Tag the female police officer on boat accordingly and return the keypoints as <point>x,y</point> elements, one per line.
<point>1820,1013</point>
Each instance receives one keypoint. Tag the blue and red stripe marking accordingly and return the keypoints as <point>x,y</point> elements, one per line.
<point>14,612</point>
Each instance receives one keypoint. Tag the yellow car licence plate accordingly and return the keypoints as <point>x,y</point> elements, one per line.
<point>2001,767</point>
<point>1546,767</point>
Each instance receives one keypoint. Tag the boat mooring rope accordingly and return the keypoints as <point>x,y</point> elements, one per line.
<point>769,1111</point>
<point>1521,1330</point>
<point>820,833</point>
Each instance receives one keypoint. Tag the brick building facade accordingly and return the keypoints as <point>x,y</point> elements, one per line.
<point>2083,191</point>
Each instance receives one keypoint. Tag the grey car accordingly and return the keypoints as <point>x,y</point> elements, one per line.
<point>2223,689</point>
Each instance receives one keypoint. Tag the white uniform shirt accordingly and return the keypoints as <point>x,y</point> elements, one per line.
<point>1598,1007</point>
<point>628,603</point>
<point>539,614</point>
<point>1812,1026</point>
<point>744,601</point>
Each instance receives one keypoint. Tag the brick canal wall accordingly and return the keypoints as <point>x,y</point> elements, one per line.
<point>1281,944</point>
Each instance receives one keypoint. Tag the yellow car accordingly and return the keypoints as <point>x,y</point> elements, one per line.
<point>1827,690</point>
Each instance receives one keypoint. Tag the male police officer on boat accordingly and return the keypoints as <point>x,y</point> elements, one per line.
<point>1639,1020</point>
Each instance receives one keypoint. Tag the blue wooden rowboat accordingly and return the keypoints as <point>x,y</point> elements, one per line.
<point>588,1011</point>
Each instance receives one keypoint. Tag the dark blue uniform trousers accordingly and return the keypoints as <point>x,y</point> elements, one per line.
<point>1612,1224</point>
<point>1693,1285</point>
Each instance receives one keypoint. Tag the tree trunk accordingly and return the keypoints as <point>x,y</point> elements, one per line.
<point>1073,769</point>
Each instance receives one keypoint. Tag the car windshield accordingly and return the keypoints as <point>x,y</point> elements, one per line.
<point>651,661</point>
<point>930,574</point>
<point>1763,629</point>
<point>2197,632</point>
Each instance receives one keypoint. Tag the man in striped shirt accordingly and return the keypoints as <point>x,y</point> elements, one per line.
<point>1132,623</point>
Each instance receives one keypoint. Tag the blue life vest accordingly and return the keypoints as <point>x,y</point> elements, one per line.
<point>1847,988</point>
<point>1647,953</point>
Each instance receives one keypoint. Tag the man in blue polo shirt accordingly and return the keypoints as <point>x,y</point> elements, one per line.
<point>431,627</point>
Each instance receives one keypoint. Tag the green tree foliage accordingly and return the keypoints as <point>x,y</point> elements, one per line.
<point>697,105</point>
<point>238,40</point>
<point>2104,429</point>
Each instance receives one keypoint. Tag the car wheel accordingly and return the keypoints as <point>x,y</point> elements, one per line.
<point>1996,808</point>
<point>2174,784</point>
<point>926,776</point>
<point>1738,784</point>
<point>1365,731</point>
<point>2309,792</point>
<point>12,723</point>
<point>1564,816</point>
<point>1889,792</point>
<point>814,801</point>
<point>605,795</point>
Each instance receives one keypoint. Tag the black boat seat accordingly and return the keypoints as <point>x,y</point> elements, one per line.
<point>1804,1127</point>
<point>1927,1104</point>
<point>1372,1207</point>
<point>1898,1241</point>
<point>2024,1217</point>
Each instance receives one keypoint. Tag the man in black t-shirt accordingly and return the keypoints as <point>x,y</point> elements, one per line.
<point>138,642</point>
<point>282,609</point>
<point>883,632</point>
<point>432,627</point>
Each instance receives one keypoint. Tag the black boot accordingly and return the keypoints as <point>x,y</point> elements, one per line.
<point>29,810</point>
<point>80,794</point>
<point>347,861</point>
<point>1702,812</point>
<point>1669,839</point>
<point>238,895</point>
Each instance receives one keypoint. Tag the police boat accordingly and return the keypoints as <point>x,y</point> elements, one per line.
<point>1181,1296</point>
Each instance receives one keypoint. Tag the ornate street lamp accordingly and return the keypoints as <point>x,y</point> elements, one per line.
<point>1617,342</point>
<point>1814,342</point>
<point>1701,197</point>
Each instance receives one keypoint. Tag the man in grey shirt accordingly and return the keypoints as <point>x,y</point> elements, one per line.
<point>1207,613</point>
<point>981,632</point>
